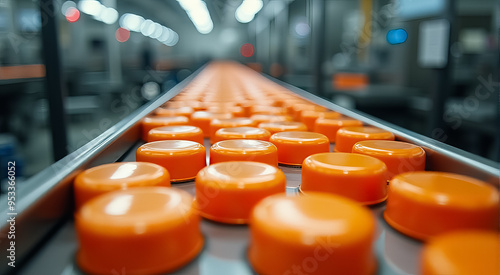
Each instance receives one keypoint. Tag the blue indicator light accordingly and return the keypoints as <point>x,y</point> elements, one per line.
<point>396,36</point>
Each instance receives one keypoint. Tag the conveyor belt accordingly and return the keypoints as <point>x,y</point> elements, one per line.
<point>45,204</point>
<point>226,245</point>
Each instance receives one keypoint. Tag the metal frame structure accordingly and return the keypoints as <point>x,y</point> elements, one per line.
<point>54,79</point>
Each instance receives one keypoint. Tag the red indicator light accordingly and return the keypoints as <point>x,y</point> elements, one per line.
<point>72,14</point>
<point>122,34</point>
<point>247,50</point>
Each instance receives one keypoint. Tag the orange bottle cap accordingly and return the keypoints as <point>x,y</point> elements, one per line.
<point>234,110</point>
<point>247,107</point>
<point>184,97</point>
<point>220,104</point>
<point>259,118</point>
<point>244,150</point>
<point>280,98</point>
<point>283,126</point>
<point>222,99</point>
<point>149,123</point>
<point>116,176</point>
<point>462,253</point>
<point>182,158</point>
<point>290,104</point>
<point>147,230</point>
<point>181,111</point>
<point>256,102</point>
<point>309,117</point>
<point>241,133</point>
<point>329,127</point>
<point>425,204</point>
<point>202,120</point>
<point>267,110</point>
<point>348,136</point>
<point>217,124</point>
<point>294,147</point>
<point>400,157</point>
<point>336,233</point>
<point>176,133</point>
<point>329,115</point>
<point>299,108</point>
<point>358,177</point>
<point>227,191</point>
<point>196,105</point>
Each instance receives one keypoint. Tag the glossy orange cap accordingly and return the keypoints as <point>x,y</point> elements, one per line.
<point>116,176</point>
<point>183,132</point>
<point>309,117</point>
<point>329,126</point>
<point>241,133</point>
<point>149,123</point>
<point>259,118</point>
<point>462,253</point>
<point>182,158</point>
<point>227,191</point>
<point>202,119</point>
<point>400,157</point>
<point>244,150</point>
<point>316,233</point>
<point>298,109</point>
<point>193,103</point>
<point>294,147</point>
<point>147,230</point>
<point>267,110</point>
<point>181,111</point>
<point>234,110</point>
<point>358,177</point>
<point>348,136</point>
<point>217,124</point>
<point>426,204</point>
<point>283,126</point>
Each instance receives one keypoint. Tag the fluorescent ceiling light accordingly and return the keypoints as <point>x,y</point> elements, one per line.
<point>131,22</point>
<point>198,12</point>
<point>247,10</point>
<point>108,16</point>
<point>90,7</point>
